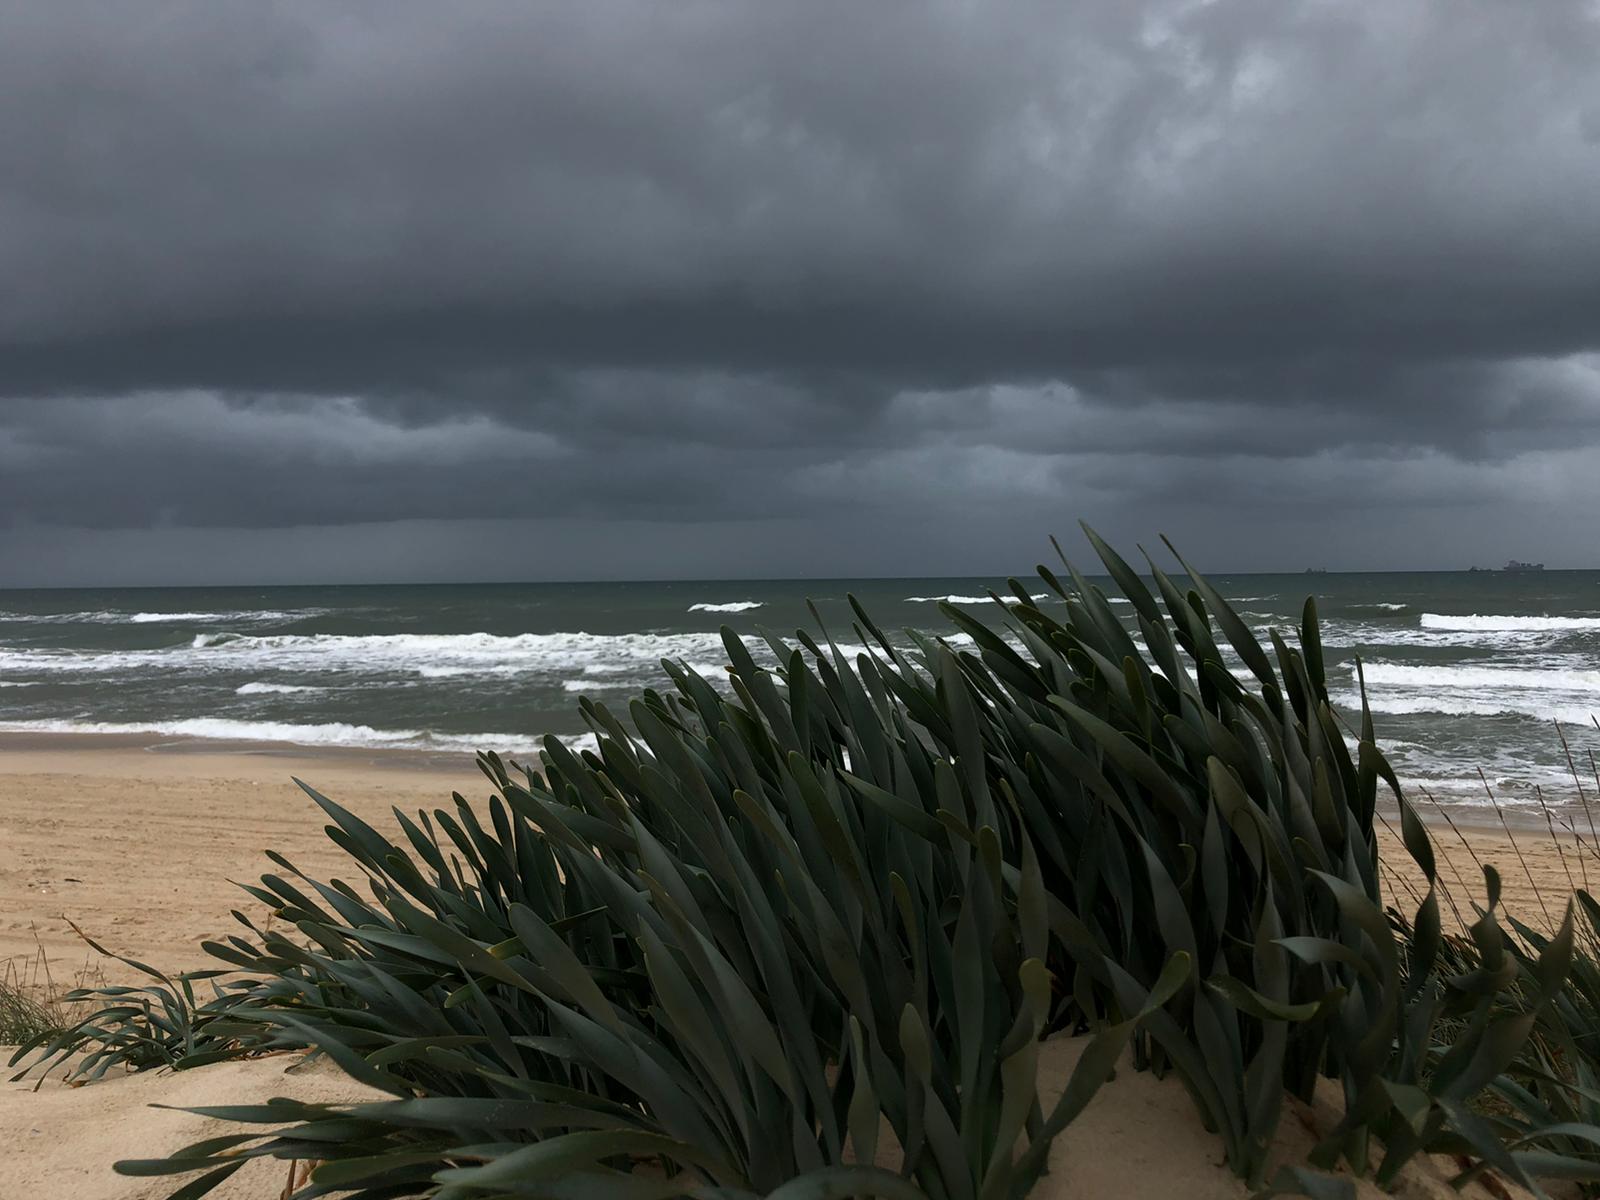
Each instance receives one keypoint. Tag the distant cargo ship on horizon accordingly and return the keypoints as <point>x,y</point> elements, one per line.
<point>1514,567</point>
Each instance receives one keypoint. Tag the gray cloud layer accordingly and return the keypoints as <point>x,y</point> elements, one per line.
<point>903,285</point>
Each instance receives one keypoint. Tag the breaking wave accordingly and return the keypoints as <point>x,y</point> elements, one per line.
<point>1547,693</point>
<point>108,617</point>
<point>332,733</point>
<point>1498,678</point>
<point>1508,624</point>
<point>1542,708</point>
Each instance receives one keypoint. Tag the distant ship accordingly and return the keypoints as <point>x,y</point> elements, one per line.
<point>1316,570</point>
<point>1518,567</point>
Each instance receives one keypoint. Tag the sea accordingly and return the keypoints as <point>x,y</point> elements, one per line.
<point>1473,678</point>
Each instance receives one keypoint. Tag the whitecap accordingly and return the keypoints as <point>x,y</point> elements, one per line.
<point>150,618</point>
<point>732,606</point>
<point>971,599</point>
<point>108,617</point>
<point>1522,704</point>
<point>1457,678</point>
<point>1495,624</point>
<point>331,733</point>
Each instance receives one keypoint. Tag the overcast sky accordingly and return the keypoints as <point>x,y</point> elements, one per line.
<point>410,290</point>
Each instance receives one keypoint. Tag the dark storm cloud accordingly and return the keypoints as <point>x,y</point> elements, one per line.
<point>284,265</point>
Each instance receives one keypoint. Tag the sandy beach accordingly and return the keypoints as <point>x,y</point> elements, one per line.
<point>139,842</point>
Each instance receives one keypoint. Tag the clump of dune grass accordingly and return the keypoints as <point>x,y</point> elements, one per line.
<point>96,1027</point>
<point>24,1017</point>
<point>753,928</point>
<point>31,1005</point>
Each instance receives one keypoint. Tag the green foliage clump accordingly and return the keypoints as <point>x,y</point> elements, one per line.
<point>159,1024</point>
<point>24,1017</point>
<point>761,939</point>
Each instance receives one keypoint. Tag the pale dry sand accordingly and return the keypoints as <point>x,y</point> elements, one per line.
<point>137,844</point>
<point>1139,1139</point>
<point>58,1143</point>
<point>1538,872</point>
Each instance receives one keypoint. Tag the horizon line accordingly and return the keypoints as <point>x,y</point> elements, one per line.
<point>1302,573</point>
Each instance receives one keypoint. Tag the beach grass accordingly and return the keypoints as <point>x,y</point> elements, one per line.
<point>35,1005</point>
<point>24,1016</point>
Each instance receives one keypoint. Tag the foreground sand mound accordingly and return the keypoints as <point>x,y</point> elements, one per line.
<point>59,1143</point>
<point>1139,1140</point>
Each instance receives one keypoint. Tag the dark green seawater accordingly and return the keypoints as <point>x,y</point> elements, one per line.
<point>1464,671</point>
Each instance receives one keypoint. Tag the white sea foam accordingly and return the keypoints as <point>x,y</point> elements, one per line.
<point>475,671</point>
<point>850,650</point>
<point>732,606</point>
<point>1384,604</point>
<point>603,681</point>
<point>1540,707</point>
<point>150,618</point>
<point>384,660</point>
<point>970,599</point>
<point>1338,634</point>
<point>8,683</point>
<point>1455,678</point>
<point>68,618</point>
<point>273,689</point>
<point>108,617</point>
<point>332,733</point>
<point>1547,692</point>
<point>432,656</point>
<point>579,742</point>
<point>575,648</point>
<point>1494,624</point>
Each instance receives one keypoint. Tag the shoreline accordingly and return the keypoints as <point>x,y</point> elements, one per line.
<point>136,839</point>
<point>95,753</point>
<point>93,747</point>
